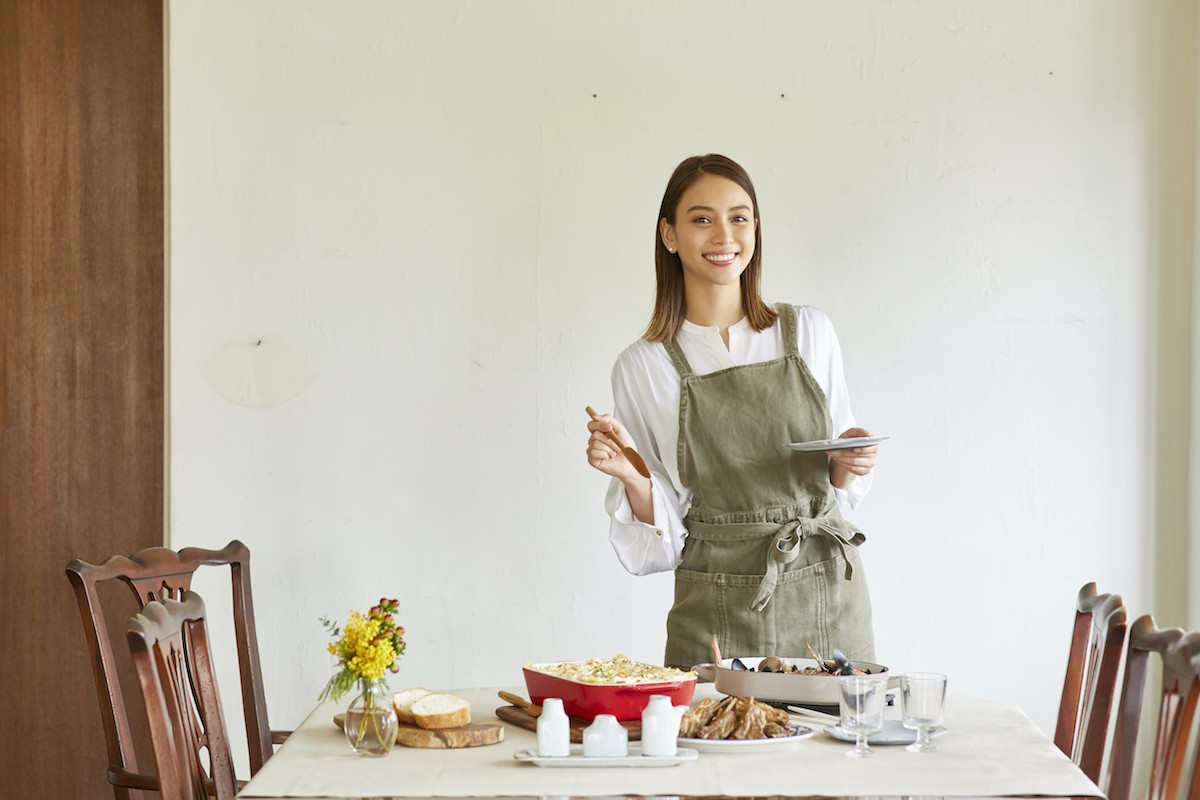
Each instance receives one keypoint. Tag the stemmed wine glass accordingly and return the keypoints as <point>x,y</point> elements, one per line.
<point>922,706</point>
<point>862,699</point>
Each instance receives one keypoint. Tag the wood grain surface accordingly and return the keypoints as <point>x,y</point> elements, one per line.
<point>81,357</point>
<point>474,734</point>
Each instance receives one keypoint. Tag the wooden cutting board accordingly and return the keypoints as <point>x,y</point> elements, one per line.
<point>523,719</point>
<point>474,734</point>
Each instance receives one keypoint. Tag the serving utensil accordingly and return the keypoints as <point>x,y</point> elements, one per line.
<point>629,452</point>
<point>827,666</point>
<point>840,665</point>
<point>520,702</point>
<point>813,714</point>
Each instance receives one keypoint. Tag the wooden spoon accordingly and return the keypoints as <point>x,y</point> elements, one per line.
<point>629,452</point>
<point>520,702</point>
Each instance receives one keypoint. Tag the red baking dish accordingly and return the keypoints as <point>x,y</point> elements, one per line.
<point>625,701</point>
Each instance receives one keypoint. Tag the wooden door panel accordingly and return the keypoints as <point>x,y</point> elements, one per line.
<point>81,354</point>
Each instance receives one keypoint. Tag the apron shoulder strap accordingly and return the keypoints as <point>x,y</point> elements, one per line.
<point>787,317</point>
<point>679,360</point>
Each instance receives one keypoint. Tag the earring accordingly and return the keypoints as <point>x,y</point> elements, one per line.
<point>670,249</point>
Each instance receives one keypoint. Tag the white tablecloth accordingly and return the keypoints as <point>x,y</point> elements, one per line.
<point>990,748</point>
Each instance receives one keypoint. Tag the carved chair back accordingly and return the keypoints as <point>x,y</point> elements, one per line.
<point>1093,670</point>
<point>169,644</point>
<point>153,574</point>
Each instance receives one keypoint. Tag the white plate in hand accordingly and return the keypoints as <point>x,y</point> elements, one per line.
<point>821,445</point>
<point>893,732</point>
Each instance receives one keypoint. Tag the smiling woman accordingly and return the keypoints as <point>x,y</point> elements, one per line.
<point>713,393</point>
<point>714,237</point>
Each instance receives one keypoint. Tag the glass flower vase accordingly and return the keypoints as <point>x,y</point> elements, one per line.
<point>371,722</point>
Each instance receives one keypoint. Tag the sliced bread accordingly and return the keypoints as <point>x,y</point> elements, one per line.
<point>403,700</point>
<point>438,710</point>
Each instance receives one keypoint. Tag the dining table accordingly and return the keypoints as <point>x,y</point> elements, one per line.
<point>990,748</point>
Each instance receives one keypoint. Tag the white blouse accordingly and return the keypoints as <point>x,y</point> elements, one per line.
<point>646,401</point>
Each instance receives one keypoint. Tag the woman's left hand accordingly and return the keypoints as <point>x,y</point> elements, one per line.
<point>855,460</point>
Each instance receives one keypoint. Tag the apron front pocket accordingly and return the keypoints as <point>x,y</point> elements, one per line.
<point>812,604</point>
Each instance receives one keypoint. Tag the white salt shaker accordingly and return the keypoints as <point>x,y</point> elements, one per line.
<point>553,729</point>
<point>606,737</point>
<point>660,726</point>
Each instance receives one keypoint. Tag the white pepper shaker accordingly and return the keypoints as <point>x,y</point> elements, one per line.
<point>553,729</point>
<point>606,737</point>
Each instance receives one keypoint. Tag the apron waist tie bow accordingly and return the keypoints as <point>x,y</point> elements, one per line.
<point>783,550</point>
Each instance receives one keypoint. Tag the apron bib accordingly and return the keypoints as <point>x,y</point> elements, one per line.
<point>769,563</point>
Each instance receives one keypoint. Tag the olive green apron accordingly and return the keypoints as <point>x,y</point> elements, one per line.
<point>769,562</point>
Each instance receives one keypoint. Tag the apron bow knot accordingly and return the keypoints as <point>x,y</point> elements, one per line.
<point>783,550</point>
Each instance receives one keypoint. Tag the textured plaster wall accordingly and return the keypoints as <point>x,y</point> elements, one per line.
<point>409,239</point>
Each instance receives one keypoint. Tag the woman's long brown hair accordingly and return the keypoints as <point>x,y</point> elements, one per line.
<point>670,303</point>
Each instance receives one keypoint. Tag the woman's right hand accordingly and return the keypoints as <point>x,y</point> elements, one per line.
<point>603,454</point>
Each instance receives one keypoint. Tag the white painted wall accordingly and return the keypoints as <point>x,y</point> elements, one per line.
<point>437,219</point>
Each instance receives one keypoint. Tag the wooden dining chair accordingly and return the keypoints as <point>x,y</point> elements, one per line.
<point>1179,653</point>
<point>152,574</point>
<point>169,644</point>
<point>1093,669</point>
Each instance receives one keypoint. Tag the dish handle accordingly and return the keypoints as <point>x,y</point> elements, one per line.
<point>706,671</point>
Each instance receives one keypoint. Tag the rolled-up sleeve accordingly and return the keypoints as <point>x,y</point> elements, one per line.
<point>643,548</point>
